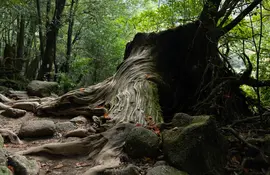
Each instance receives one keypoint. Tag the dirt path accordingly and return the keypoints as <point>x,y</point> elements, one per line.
<point>50,165</point>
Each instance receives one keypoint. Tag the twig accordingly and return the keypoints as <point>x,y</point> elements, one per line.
<point>244,120</point>
<point>233,132</point>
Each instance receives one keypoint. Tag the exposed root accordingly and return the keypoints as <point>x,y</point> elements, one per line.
<point>4,99</point>
<point>4,106</point>
<point>104,149</point>
<point>11,135</point>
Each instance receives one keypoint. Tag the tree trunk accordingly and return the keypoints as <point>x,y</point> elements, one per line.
<point>72,12</point>
<point>177,70</point>
<point>20,44</point>
<point>41,43</point>
<point>51,37</point>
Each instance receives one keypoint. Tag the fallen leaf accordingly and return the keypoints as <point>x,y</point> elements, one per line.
<point>82,89</point>
<point>138,124</point>
<point>106,115</point>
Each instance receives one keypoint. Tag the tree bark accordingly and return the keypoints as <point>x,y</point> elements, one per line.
<point>20,44</point>
<point>177,70</point>
<point>41,43</point>
<point>71,18</point>
<point>51,37</point>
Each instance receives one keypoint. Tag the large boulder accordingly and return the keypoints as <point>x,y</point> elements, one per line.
<point>165,170</point>
<point>197,147</point>
<point>142,142</point>
<point>42,88</point>
<point>37,128</point>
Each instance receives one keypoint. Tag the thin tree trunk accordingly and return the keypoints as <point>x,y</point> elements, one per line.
<point>20,44</point>
<point>51,36</point>
<point>72,12</point>
<point>41,46</point>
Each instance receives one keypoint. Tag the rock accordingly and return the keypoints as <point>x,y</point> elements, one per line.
<point>13,113</point>
<point>3,158</point>
<point>81,120</point>
<point>165,170</point>
<point>142,142</point>
<point>5,171</point>
<point>1,141</point>
<point>18,95</point>
<point>2,153</point>
<point>77,133</point>
<point>22,165</point>
<point>161,162</point>
<point>181,119</point>
<point>41,88</point>
<point>37,128</point>
<point>197,148</point>
<point>28,106</point>
<point>65,127</point>
<point>129,170</point>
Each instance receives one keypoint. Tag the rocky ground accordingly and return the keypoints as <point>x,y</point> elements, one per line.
<point>187,142</point>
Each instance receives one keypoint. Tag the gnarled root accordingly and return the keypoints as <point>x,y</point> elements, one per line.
<point>104,149</point>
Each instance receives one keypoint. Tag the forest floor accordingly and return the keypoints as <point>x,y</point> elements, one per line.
<point>249,145</point>
<point>52,164</point>
<point>49,165</point>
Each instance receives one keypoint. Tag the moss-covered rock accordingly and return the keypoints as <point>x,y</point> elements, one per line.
<point>181,119</point>
<point>42,88</point>
<point>1,141</point>
<point>197,148</point>
<point>142,142</point>
<point>5,171</point>
<point>165,170</point>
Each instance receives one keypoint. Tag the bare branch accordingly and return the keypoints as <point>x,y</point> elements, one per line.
<point>231,25</point>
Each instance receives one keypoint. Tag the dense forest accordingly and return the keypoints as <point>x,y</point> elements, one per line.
<point>134,87</point>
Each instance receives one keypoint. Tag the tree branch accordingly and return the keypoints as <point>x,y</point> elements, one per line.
<point>231,25</point>
<point>209,12</point>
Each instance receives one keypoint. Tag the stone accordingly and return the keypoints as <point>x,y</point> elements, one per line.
<point>18,95</point>
<point>129,170</point>
<point>5,171</point>
<point>79,120</point>
<point>1,141</point>
<point>65,127</point>
<point>37,128</point>
<point>13,113</point>
<point>41,88</point>
<point>181,119</point>
<point>3,158</point>
<point>165,170</point>
<point>161,162</point>
<point>142,142</point>
<point>28,106</point>
<point>22,165</point>
<point>196,148</point>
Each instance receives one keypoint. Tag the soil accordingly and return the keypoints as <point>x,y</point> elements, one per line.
<point>50,165</point>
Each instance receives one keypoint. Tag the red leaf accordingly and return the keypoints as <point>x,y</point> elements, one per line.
<point>138,124</point>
